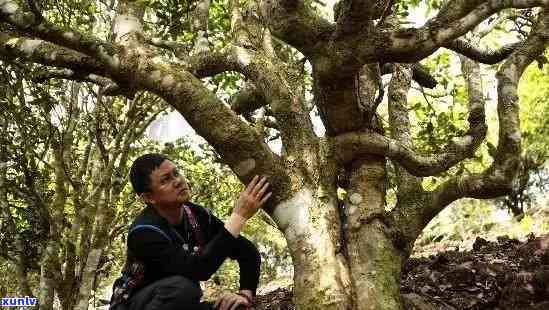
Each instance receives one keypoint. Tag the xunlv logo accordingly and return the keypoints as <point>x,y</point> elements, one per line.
<point>18,301</point>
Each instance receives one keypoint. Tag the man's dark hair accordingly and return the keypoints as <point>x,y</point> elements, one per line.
<point>141,170</point>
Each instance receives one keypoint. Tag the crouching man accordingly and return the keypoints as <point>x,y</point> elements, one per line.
<point>173,244</point>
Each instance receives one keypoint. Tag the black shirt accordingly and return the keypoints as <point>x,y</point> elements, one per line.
<point>163,257</point>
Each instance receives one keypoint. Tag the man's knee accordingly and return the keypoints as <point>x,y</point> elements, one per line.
<point>180,288</point>
<point>169,293</point>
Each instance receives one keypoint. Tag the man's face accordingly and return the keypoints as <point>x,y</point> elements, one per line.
<point>168,188</point>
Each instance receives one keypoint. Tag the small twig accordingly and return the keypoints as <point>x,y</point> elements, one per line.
<point>36,11</point>
<point>385,12</point>
<point>432,112</point>
<point>436,96</point>
<point>381,93</point>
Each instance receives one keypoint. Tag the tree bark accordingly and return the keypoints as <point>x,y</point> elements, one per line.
<point>49,278</point>
<point>375,262</point>
<point>310,222</point>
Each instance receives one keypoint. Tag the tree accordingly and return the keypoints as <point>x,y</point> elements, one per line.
<point>347,253</point>
<point>533,175</point>
<point>64,160</point>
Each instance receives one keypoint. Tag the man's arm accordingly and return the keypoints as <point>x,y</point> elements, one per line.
<point>247,256</point>
<point>243,251</point>
<point>249,262</point>
<point>250,200</point>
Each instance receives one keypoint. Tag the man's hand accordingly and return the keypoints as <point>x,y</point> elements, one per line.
<point>231,301</point>
<point>247,293</point>
<point>252,198</point>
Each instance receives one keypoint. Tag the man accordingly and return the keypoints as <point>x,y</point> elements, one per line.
<point>173,244</point>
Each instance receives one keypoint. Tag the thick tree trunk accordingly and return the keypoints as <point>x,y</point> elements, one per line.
<point>100,238</point>
<point>365,249</point>
<point>376,267</point>
<point>310,222</point>
<point>374,261</point>
<point>83,300</point>
<point>364,274</point>
<point>47,281</point>
<point>50,267</point>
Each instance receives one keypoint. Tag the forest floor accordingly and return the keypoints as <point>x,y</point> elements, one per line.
<point>505,274</point>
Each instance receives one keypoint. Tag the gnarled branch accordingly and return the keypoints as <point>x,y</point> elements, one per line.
<point>109,88</point>
<point>30,24</point>
<point>180,50</point>
<point>296,24</point>
<point>399,123</point>
<point>453,20</point>
<point>489,57</point>
<point>354,15</point>
<point>420,74</point>
<point>275,82</point>
<point>353,144</point>
<point>247,100</point>
<point>212,63</point>
<point>200,27</point>
<point>43,74</point>
<point>45,53</point>
<point>499,178</point>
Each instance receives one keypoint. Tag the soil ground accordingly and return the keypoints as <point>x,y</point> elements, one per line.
<point>503,275</point>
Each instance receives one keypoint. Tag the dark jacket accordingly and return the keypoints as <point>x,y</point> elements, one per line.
<point>163,258</point>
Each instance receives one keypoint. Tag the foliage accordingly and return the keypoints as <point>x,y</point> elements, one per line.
<point>26,137</point>
<point>533,180</point>
<point>58,140</point>
<point>467,219</point>
<point>463,222</point>
<point>535,110</point>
